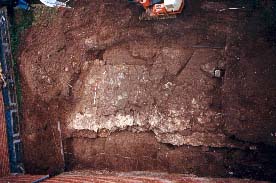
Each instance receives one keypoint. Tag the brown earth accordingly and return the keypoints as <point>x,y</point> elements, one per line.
<point>120,177</point>
<point>140,95</point>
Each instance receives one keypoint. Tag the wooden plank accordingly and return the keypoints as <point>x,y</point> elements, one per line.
<point>4,155</point>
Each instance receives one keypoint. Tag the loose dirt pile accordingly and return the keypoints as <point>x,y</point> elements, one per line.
<point>140,95</point>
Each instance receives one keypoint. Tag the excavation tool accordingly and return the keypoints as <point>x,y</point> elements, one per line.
<point>160,9</point>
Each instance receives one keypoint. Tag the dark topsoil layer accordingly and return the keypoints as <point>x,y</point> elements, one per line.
<point>232,135</point>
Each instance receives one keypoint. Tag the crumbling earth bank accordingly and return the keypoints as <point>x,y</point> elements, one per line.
<point>97,70</point>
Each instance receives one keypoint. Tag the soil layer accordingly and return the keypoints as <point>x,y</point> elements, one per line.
<point>123,94</point>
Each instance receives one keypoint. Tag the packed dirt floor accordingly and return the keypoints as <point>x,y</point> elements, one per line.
<point>103,90</point>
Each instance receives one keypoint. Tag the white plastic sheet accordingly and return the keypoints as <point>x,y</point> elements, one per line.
<point>54,3</point>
